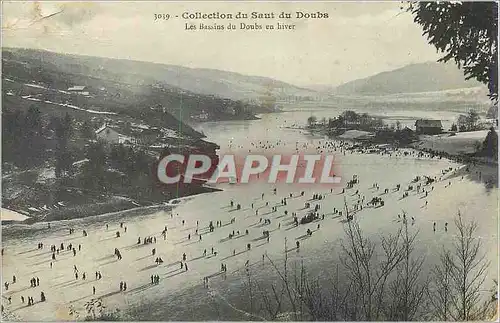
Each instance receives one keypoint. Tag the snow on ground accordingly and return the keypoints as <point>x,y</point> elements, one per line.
<point>36,86</point>
<point>140,126</point>
<point>81,109</point>
<point>46,174</point>
<point>169,133</point>
<point>45,88</point>
<point>473,94</point>
<point>80,162</point>
<point>461,142</point>
<point>62,290</point>
<point>67,105</point>
<point>8,215</point>
<point>355,134</point>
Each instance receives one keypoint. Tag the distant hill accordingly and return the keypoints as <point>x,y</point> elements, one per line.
<point>118,86</point>
<point>414,78</point>
<point>197,80</point>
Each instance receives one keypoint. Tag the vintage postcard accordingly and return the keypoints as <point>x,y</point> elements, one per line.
<point>249,161</point>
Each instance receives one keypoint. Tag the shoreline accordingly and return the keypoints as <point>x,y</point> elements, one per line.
<point>169,204</point>
<point>420,145</point>
<point>126,207</point>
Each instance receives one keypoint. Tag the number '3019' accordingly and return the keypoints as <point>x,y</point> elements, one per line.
<point>162,16</point>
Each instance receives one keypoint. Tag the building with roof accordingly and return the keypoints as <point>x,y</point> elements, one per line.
<point>111,136</point>
<point>428,127</point>
<point>79,89</point>
<point>107,134</point>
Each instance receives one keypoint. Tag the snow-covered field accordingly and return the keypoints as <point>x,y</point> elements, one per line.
<point>9,215</point>
<point>461,142</point>
<point>23,259</point>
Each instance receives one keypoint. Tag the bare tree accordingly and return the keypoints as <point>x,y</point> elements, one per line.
<point>280,296</point>
<point>382,281</point>
<point>440,289</point>
<point>461,273</point>
<point>272,302</point>
<point>407,289</point>
<point>248,287</point>
<point>292,294</point>
<point>326,304</point>
<point>368,272</point>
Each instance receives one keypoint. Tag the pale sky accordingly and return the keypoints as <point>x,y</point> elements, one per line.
<point>357,40</point>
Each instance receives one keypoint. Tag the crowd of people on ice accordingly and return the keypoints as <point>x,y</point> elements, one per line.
<point>354,202</point>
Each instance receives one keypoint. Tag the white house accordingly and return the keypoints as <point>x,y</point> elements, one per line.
<point>203,116</point>
<point>79,89</point>
<point>107,134</point>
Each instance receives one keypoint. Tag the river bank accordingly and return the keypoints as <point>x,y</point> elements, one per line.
<point>461,146</point>
<point>106,205</point>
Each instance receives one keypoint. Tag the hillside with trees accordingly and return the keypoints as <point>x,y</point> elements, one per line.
<point>117,93</point>
<point>209,82</point>
<point>53,164</point>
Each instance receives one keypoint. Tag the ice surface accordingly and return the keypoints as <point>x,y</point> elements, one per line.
<point>23,259</point>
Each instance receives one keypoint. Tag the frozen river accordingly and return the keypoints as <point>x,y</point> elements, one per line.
<point>180,295</point>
